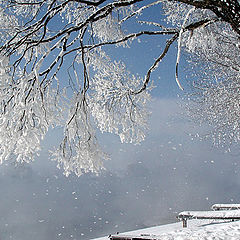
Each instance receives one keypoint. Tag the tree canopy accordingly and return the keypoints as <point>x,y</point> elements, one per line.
<point>41,39</point>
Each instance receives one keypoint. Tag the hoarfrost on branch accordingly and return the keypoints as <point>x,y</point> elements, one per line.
<point>55,70</point>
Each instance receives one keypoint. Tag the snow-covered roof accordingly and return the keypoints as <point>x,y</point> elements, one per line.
<point>225,206</point>
<point>227,214</point>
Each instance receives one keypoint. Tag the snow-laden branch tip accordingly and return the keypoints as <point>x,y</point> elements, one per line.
<point>179,45</point>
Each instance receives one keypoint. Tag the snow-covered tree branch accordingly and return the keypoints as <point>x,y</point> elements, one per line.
<point>42,42</point>
<point>214,98</point>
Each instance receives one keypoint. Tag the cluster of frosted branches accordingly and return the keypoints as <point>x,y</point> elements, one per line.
<point>219,106</point>
<point>114,105</point>
<point>26,113</point>
<point>55,69</point>
<point>214,57</point>
<point>98,92</point>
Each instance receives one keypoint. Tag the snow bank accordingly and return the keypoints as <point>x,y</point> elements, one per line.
<point>197,230</point>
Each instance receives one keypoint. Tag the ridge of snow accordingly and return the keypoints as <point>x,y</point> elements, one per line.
<point>197,230</point>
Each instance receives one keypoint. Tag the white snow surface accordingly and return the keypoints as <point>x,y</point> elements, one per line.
<point>196,230</point>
